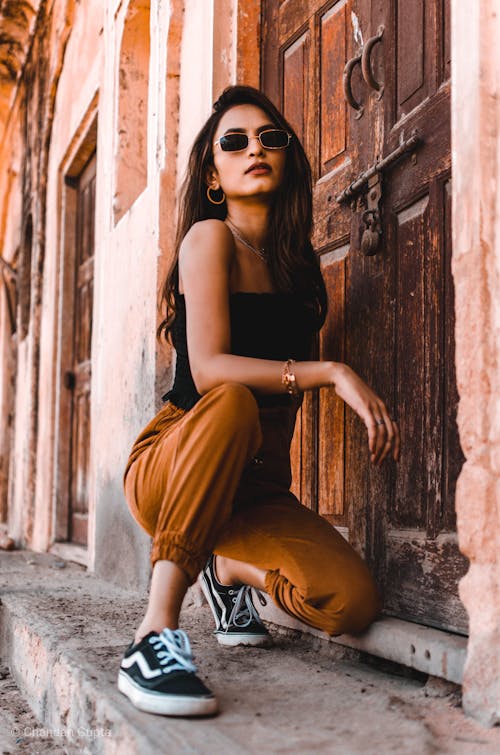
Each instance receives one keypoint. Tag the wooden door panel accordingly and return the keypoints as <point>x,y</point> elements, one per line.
<point>298,80</point>
<point>391,315</point>
<point>333,112</point>
<point>82,341</point>
<point>422,561</point>
<point>83,322</point>
<point>410,237</point>
<point>421,367</point>
<point>79,498</point>
<point>422,579</point>
<point>453,455</point>
<point>369,339</point>
<point>293,16</point>
<point>417,55</point>
<point>412,45</point>
<point>296,66</point>
<point>430,160</point>
<point>336,157</point>
<point>331,451</point>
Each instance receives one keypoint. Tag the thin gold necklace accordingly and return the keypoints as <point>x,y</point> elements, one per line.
<point>259,251</point>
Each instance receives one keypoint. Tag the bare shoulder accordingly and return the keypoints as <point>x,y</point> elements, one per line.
<point>211,237</point>
<point>206,253</point>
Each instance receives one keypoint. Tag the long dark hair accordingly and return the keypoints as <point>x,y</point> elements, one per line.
<point>293,265</point>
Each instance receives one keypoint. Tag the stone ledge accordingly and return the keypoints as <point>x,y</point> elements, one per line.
<point>425,649</point>
<point>67,673</point>
<point>89,711</point>
<point>63,631</point>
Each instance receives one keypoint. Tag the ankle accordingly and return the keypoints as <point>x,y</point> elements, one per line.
<point>222,571</point>
<point>152,626</point>
<point>230,572</point>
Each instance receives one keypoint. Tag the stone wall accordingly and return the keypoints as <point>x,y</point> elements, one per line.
<point>83,85</point>
<point>29,137</point>
<point>476,270</point>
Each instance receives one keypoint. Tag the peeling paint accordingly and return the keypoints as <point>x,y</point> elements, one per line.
<point>357,33</point>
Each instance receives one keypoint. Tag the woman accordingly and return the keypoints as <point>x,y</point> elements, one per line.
<point>209,476</point>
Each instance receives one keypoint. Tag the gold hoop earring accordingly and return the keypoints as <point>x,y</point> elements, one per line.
<point>213,201</point>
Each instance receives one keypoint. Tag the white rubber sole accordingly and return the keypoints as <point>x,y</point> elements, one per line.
<point>228,639</point>
<point>232,640</point>
<point>165,705</point>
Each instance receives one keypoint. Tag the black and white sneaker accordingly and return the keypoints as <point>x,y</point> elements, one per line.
<point>236,617</point>
<point>158,675</point>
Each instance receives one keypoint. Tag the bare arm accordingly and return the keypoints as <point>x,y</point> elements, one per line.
<point>205,260</point>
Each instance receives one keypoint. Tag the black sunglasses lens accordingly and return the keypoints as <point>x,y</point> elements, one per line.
<point>233,142</point>
<point>274,139</point>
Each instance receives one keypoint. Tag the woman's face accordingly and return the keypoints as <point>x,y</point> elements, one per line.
<point>251,172</point>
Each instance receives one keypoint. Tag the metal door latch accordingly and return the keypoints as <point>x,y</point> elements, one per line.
<point>369,184</point>
<point>372,233</point>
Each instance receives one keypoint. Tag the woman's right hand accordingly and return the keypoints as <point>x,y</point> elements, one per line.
<point>383,432</point>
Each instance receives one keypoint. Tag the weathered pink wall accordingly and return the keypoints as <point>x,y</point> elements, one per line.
<point>129,370</point>
<point>11,155</point>
<point>82,64</point>
<point>26,141</point>
<point>476,270</point>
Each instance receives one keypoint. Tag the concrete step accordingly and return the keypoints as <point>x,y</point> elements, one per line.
<point>20,730</point>
<point>63,632</point>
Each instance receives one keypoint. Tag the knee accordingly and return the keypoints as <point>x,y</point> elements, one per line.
<point>238,405</point>
<point>357,608</point>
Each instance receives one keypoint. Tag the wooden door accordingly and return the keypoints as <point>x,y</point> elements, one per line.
<point>391,314</point>
<point>79,379</point>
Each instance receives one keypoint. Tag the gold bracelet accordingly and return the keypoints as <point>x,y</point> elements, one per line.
<point>288,379</point>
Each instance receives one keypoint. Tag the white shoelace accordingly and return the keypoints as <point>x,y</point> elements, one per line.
<point>244,612</point>
<point>173,650</point>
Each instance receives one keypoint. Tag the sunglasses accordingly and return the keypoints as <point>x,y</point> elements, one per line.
<point>272,138</point>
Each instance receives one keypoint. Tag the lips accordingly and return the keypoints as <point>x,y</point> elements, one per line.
<point>259,168</point>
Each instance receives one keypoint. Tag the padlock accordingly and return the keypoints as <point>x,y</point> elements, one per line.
<point>370,238</point>
<point>369,242</point>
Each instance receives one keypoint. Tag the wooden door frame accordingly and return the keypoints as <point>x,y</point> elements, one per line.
<point>429,650</point>
<point>80,150</point>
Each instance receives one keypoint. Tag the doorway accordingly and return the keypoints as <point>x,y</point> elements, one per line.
<point>76,313</point>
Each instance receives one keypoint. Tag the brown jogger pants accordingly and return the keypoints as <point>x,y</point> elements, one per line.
<point>216,479</point>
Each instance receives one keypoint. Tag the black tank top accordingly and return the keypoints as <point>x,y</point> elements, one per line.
<point>265,326</point>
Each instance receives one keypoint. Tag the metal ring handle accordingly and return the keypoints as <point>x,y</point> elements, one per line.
<point>366,62</point>
<point>346,84</point>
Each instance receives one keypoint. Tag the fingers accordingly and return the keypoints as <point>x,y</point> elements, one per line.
<point>384,431</point>
<point>376,437</point>
<point>372,435</point>
<point>383,434</point>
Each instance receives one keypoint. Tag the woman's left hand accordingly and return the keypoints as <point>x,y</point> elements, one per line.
<point>383,432</point>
